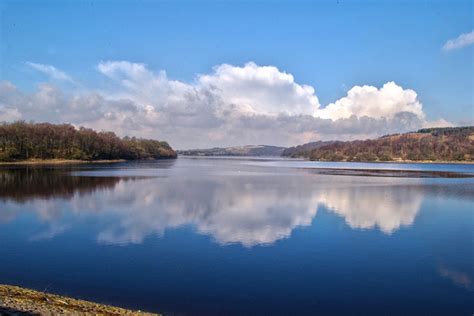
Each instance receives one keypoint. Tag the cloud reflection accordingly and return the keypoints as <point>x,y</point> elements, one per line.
<point>245,208</point>
<point>385,207</point>
<point>457,277</point>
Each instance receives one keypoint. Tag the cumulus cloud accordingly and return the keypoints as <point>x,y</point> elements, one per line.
<point>459,42</point>
<point>231,105</point>
<point>260,90</point>
<point>51,71</point>
<point>372,102</point>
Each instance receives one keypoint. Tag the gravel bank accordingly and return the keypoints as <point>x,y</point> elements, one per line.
<point>18,301</point>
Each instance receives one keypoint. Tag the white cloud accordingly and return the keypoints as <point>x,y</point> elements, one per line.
<point>461,41</point>
<point>260,90</point>
<point>437,123</point>
<point>232,105</point>
<point>372,102</point>
<point>142,85</point>
<point>250,89</point>
<point>51,71</point>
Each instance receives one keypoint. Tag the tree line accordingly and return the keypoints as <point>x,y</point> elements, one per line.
<point>24,141</point>
<point>433,144</point>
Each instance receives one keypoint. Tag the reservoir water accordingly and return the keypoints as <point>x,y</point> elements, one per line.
<point>228,236</point>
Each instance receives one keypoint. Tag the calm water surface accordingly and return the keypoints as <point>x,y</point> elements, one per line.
<point>242,236</point>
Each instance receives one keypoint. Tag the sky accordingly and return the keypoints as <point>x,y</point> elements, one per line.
<point>224,73</point>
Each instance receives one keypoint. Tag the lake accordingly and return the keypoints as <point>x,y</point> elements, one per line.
<point>244,236</point>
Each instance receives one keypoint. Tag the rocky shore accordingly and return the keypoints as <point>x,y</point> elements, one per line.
<point>19,301</point>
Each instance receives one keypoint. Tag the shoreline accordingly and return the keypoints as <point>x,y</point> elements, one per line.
<point>454,162</point>
<point>307,159</point>
<point>389,173</point>
<point>58,162</point>
<point>76,161</point>
<point>15,300</point>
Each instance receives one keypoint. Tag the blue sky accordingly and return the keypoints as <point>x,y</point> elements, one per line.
<point>329,45</point>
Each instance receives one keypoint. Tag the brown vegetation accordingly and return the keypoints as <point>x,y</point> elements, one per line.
<point>304,151</point>
<point>25,141</point>
<point>434,144</point>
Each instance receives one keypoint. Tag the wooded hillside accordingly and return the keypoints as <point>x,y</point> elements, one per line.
<point>432,144</point>
<point>24,141</point>
<point>304,151</point>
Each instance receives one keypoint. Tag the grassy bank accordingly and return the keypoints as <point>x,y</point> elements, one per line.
<point>19,301</point>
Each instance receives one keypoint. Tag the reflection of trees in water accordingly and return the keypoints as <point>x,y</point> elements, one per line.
<point>21,185</point>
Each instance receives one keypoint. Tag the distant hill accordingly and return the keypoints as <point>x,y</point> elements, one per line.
<point>250,150</point>
<point>303,151</point>
<point>430,144</point>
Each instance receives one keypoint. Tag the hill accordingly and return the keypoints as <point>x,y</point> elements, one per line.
<point>26,141</point>
<point>303,151</point>
<point>249,150</point>
<point>432,144</point>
